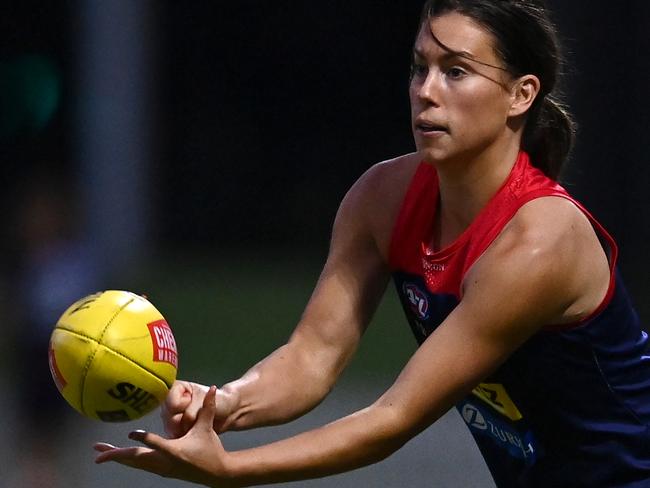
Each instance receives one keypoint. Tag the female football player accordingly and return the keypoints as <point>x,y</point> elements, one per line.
<point>508,284</point>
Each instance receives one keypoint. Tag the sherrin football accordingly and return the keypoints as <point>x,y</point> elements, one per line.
<point>113,356</point>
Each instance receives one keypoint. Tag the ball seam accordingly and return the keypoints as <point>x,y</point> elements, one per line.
<point>117,353</point>
<point>92,356</point>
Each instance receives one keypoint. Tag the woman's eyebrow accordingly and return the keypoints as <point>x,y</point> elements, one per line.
<point>451,53</point>
<point>447,56</point>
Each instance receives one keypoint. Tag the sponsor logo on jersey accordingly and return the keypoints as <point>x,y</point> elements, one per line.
<point>473,417</point>
<point>482,423</point>
<point>431,267</point>
<point>59,380</point>
<point>417,300</point>
<point>495,395</point>
<point>164,344</point>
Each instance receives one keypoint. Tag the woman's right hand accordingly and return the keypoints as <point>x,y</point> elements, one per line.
<point>181,407</point>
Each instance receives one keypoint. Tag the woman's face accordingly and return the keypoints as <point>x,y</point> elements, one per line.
<point>459,89</point>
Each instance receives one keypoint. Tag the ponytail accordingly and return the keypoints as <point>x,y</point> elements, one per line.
<point>549,136</point>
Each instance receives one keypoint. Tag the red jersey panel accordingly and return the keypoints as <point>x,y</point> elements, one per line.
<point>444,270</point>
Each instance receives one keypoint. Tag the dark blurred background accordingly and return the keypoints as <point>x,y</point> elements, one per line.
<point>197,151</point>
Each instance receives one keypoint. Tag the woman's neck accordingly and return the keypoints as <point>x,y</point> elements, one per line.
<point>466,187</point>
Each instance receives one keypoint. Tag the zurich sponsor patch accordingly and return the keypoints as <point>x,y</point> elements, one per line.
<point>483,423</point>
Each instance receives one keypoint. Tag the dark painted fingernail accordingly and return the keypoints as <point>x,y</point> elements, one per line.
<point>136,434</point>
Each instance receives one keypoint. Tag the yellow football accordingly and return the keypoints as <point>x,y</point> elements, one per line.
<point>113,356</point>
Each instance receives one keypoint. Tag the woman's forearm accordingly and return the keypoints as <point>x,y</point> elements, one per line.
<point>285,385</point>
<point>360,439</point>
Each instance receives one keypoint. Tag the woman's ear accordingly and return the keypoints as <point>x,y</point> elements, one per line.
<point>524,91</point>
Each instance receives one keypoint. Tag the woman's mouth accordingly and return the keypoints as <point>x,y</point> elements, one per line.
<point>430,128</point>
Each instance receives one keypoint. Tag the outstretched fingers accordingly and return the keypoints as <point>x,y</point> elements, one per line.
<point>145,458</point>
<point>150,439</point>
<point>132,455</point>
<point>190,457</point>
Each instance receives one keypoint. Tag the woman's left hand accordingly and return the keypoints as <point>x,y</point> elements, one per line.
<point>198,456</point>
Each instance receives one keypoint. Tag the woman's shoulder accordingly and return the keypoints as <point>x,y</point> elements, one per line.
<point>548,225</point>
<point>400,167</point>
<point>377,195</point>
<point>387,181</point>
<point>551,239</point>
<point>550,218</point>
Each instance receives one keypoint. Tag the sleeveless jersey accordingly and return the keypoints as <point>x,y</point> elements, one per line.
<point>571,406</point>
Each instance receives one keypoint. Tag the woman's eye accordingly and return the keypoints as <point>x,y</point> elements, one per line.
<point>455,73</point>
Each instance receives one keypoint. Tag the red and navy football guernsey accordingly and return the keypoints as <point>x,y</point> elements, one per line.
<point>571,406</point>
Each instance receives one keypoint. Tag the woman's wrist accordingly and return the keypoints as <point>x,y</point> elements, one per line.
<point>228,401</point>
<point>233,473</point>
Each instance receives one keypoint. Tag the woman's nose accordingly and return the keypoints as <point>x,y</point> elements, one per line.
<point>429,89</point>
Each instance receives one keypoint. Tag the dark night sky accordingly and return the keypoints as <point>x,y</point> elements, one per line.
<point>277,111</point>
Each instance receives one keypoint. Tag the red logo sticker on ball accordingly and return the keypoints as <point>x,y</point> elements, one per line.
<point>164,344</point>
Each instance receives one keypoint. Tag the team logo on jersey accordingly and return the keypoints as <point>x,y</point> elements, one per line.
<point>497,397</point>
<point>418,301</point>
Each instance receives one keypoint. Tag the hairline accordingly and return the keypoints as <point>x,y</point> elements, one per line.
<point>462,53</point>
